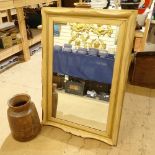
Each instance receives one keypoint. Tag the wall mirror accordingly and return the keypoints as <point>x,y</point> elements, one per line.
<point>86,55</point>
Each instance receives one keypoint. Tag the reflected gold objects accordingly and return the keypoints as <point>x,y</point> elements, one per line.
<point>103,45</point>
<point>80,34</point>
<point>74,36</point>
<point>96,44</point>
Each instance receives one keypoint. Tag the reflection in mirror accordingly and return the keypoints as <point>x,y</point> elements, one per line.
<point>83,60</point>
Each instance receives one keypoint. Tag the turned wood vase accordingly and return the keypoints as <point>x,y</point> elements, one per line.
<point>23,118</point>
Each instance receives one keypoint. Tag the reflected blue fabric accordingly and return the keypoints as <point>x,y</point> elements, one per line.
<point>85,67</point>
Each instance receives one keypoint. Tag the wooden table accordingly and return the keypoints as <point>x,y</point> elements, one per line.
<point>24,46</point>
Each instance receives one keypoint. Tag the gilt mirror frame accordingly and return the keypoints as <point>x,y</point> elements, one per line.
<point>126,20</point>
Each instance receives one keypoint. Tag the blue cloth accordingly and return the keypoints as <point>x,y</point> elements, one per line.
<point>84,66</point>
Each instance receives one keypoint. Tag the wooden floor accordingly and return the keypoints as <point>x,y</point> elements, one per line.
<point>137,131</point>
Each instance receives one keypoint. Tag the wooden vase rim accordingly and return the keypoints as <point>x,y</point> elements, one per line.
<point>19,102</point>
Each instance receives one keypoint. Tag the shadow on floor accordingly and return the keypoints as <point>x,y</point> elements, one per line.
<point>54,141</point>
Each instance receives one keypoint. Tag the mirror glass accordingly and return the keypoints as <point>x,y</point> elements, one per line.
<point>83,61</point>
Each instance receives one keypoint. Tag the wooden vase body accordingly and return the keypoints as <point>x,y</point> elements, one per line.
<point>23,118</point>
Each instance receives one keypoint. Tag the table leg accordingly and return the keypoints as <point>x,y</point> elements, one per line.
<point>22,29</point>
<point>9,17</point>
